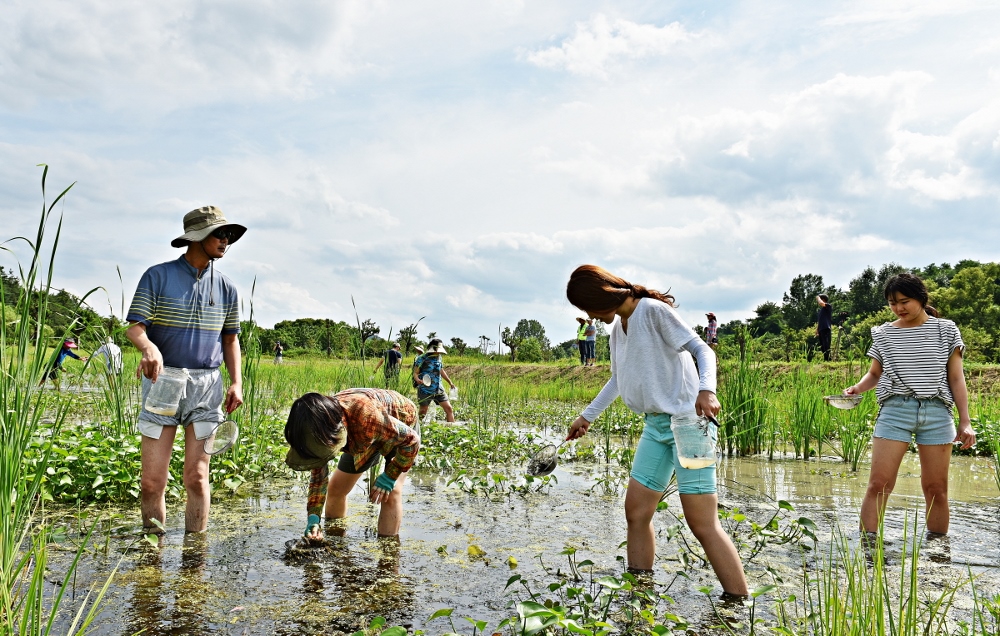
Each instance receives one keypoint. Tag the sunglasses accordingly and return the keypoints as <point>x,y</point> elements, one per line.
<point>225,234</point>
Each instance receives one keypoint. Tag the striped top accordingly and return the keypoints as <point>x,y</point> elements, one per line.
<point>915,359</point>
<point>185,313</point>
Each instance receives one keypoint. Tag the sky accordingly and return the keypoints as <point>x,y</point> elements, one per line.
<point>457,160</point>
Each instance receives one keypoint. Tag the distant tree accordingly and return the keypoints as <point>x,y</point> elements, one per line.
<point>484,345</point>
<point>565,349</point>
<point>512,342</point>
<point>432,335</point>
<point>530,350</point>
<point>971,300</point>
<point>769,319</point>
<point>368,329</point>
<point>798,306</point>
<point>527,328</point>
<point>865,292</point>
<point>459,346</point>
<point>407,335</point>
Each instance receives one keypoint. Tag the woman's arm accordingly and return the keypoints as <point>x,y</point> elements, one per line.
<point>445,376</point>
<point>582,423</point>
<point>960,393</point>
<point>319,479</point>
<point>869,380</point>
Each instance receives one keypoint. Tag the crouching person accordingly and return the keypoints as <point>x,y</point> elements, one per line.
<point>363,426</point>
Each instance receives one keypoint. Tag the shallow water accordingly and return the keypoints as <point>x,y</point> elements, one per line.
<point>239,579</point>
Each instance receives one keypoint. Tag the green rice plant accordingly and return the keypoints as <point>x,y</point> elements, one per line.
<point>855,592</point>
<point>24,606</point>
<point>854,430</point>
<point>745,417</point>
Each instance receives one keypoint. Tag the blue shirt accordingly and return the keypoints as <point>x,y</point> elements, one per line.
<point>429,365</point>
<point>185,313</point>
<point>66,351</point>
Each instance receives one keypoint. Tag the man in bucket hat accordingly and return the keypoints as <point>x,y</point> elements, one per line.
<point>185,315</point>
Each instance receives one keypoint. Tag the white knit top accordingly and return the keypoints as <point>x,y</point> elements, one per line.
<point>651,366</point>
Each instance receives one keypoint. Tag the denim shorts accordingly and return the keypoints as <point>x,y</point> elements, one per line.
<point>656,460</point>
<point>902,418</point>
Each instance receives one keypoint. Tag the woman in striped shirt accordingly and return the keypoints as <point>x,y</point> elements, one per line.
<point>918,379</point>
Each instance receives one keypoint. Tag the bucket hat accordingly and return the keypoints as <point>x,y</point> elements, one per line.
<point>198,224</point>
<point>438,348</point>
<point>321,453</point>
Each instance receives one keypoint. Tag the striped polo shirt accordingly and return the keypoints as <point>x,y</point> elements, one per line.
<point>915,359</point>
<point>186,313</point>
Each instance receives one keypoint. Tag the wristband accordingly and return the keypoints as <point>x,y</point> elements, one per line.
<point>385,482</point>
<point>310,524</point>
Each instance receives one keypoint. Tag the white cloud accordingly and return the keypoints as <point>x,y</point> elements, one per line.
<point>602,42</point>
<point>174,54</point>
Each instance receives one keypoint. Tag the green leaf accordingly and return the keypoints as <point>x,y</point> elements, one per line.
<point>611,582</point>
<point>784,505</point>
<point>763,589</point>
<point>395,631</point>
<point>444,611</point>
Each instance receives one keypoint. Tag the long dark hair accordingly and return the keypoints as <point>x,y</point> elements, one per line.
<point>315,415</point>
<point>906,284</point>
<point>593,288</point>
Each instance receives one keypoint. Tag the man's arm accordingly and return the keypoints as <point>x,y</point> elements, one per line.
<point>444,375</point>
<point>234,364</point>
<point>152,360</point>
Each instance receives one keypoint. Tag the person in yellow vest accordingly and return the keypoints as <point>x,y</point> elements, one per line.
<point>581,340</point>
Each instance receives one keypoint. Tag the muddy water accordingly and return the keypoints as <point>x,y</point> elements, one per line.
<point>240,579</point>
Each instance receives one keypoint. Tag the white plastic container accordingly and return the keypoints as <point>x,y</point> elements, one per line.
<point>693,438</point>
<point>165,394</point>
<point>453,394</point>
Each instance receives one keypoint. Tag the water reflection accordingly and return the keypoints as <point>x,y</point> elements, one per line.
<point>166,602</point>
<point>345,583</point>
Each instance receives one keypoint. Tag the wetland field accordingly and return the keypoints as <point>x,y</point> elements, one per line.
<point>485,548</point>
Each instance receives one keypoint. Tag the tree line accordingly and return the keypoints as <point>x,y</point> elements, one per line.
<point>967,293</point>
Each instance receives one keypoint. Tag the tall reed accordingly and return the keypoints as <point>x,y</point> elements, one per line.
<point>24,606</point>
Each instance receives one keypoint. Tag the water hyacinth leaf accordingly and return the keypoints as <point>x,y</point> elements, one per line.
<point>480,625</point>
<point>512,580</point>
<point>444,611</point>
<point>611,582</point>
<point>395,631</point>
<point>763,589</point>
<point>784,505</point>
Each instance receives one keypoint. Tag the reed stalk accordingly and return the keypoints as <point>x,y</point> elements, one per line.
<point>25,606</point>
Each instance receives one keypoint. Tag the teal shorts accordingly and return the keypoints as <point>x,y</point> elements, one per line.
<point>656,460</point>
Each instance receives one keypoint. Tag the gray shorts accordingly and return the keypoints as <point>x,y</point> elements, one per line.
<point>200,406</point>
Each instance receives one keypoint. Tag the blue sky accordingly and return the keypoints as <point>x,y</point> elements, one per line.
<point>457,160</point>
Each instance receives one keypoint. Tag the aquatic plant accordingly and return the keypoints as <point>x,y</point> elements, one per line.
<point>26,607</point>
<point>745,418</point>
